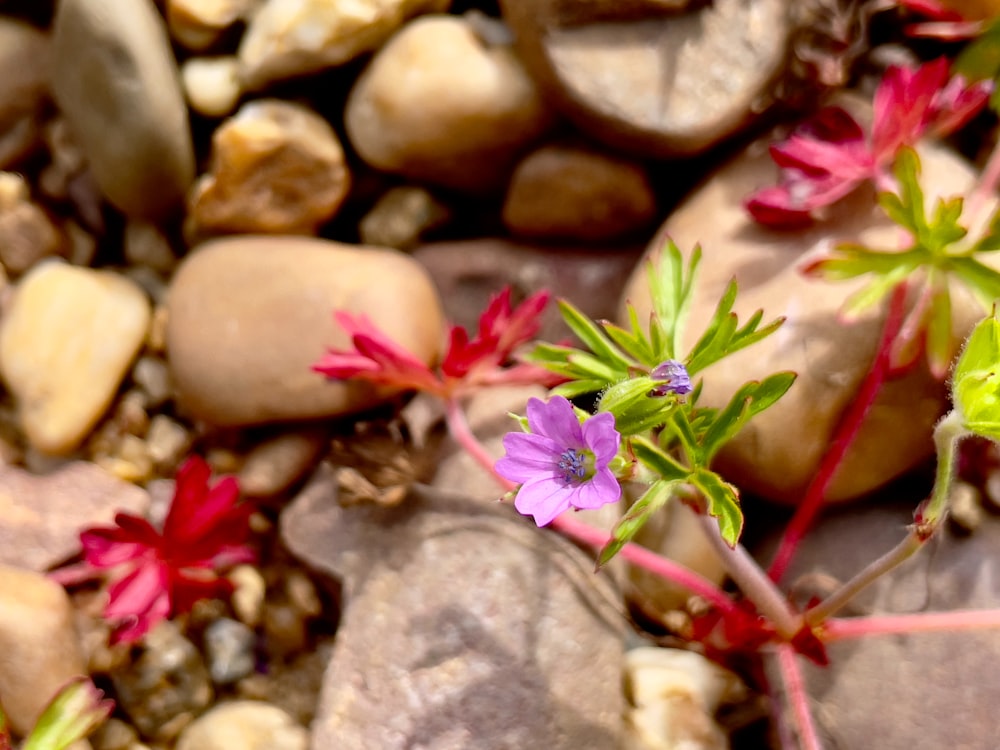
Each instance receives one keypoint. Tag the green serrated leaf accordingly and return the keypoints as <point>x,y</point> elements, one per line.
<point>723,503</point>
<point>594,337</point>
<point>982,280</point>
<point>681,429</point>
<point>653,457</point>
<point>751,399</point>
<point>657,496</point>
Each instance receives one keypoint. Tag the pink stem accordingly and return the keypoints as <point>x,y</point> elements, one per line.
<point>458,425</point>
<point>459,428</point>
<point>839,629</point>
<point>798,699</point>
<point>651,562</point>
<point>847,431</point>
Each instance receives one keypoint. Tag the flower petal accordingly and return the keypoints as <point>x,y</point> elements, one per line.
<point>601,438</point>
<point>527,457</point>
<point>544,498</point>
<point>555,419</point>
<point>601,489</point>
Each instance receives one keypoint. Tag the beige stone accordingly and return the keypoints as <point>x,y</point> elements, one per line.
<point>198,24</point>
<point>777,454</point>
<point>212,84</point>
<point>24,58</point>
<point>277,167</point>
<point>66,342</point>
<point>116,81</point>
<point>249,316</point>
<point>247,725</point>
<point>39,652</point>
<point>443,105</point>
<point>277,463</point>
<point>289,38</point>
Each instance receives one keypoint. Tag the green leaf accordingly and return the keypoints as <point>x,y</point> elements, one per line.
<point>751,399</point>
<point>982,280</point>
<point>578,388</point>
<point>681,430</point>
<point>980,60</point>
<point>906,209</point>
<point>874,292</point>
<point>591,334</point>
<point>657,496</point>
<point>670,289</point>
<point>655,458</point>
<point>723,503</point>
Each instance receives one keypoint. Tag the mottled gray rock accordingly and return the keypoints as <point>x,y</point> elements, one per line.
<point>165,686</point>
<point>229,649</point>
<point>906,691</point>
<point>41,516</point>
<point>250,315</point>
<point>465,627</point>
<point>115,79</point>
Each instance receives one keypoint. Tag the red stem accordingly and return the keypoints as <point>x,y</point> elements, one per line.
<point>847,432</point>
<point>839,629</point>
<point>798,698</point>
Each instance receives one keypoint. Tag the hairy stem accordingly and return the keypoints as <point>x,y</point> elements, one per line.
<point>837,629</point>
<point>847,431</point>
<point>947,434</point>
<point>641,557</point>
<point>753,581</point>
<point>798,699</point>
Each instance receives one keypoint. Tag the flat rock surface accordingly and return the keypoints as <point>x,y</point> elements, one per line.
<point>903,692</point>
<point>464,627</point>
<point>41,516</point>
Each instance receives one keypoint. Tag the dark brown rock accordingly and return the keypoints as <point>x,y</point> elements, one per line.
<point>24,60</point>
<point>465,627</point>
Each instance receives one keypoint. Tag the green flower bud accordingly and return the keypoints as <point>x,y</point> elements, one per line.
<point>637,404</point>
<point>976,383</point>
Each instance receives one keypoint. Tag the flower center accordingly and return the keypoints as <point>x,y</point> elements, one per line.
<point>576,466</point>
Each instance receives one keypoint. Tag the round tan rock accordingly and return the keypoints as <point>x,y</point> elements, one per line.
<point>249,316</point>
<point>441,104</point>
<point>211,84</point>
<point>66,343</point>
<point>115,79</point>
<point>663,83</point>
<point>567,192</point>
<point>778,452</point>
<point>38,642</point>
<point>276,167</point>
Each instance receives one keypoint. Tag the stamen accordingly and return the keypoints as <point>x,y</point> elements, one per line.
<point>572,465</point>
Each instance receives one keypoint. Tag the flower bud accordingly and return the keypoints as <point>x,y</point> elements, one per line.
<point>976,382</point>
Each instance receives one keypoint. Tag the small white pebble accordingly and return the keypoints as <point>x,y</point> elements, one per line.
<point>211,84</point>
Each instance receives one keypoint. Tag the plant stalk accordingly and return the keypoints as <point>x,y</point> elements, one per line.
<point>798,698</point>
<point>841,629</point>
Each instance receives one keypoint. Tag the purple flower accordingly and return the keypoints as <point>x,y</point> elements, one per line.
<point>675,377</point>
<point>561,464</point>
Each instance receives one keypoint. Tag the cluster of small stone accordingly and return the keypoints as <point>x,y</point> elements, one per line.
<point>189,188</point>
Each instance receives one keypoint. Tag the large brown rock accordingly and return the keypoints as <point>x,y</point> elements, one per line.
<point>777,454</point>
<point>115,79</point>
<point>662,83</point>
<point>464,627</point>
<point>248,317</point>
<point>24,59</point>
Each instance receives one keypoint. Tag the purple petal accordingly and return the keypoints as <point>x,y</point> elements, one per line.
<point>602,489</point>
<point>527,456</point>
<point>544,498</point>
<point>601,437</point>
<point>555,419</point>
